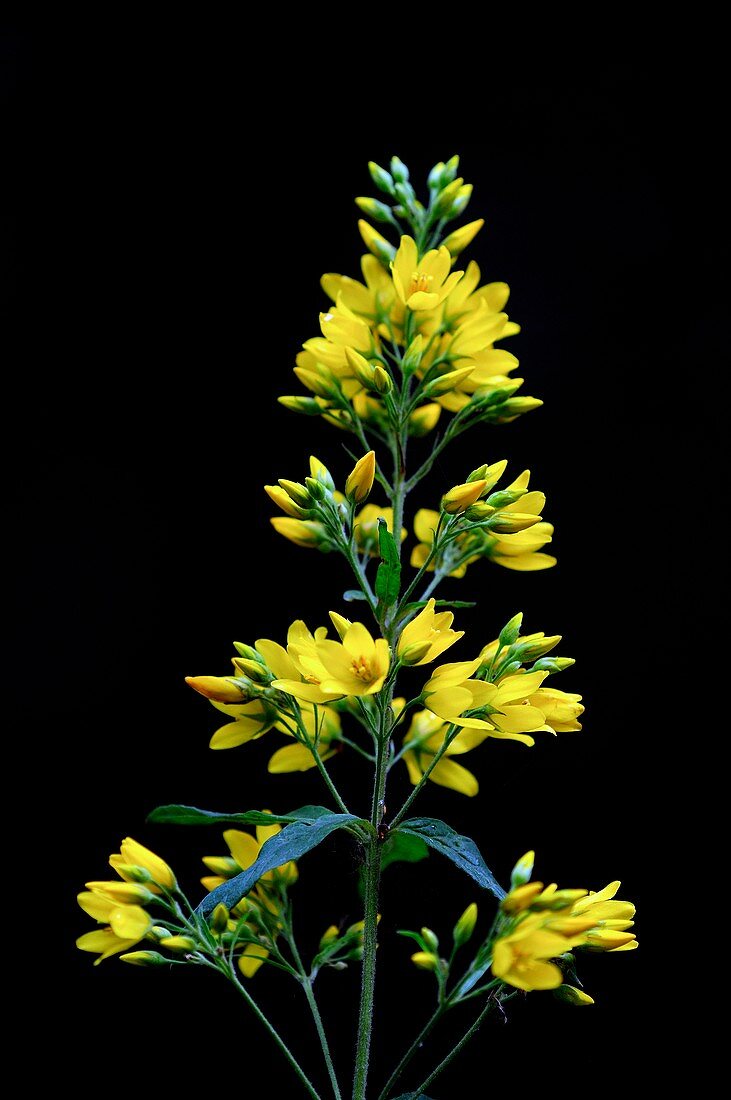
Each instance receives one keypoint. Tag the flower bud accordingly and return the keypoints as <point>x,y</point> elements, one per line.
<point>248,651</point>
<point>131,873</point>
<point>218,688</point>
<point>478,513</point>
<point>258,673</point>
<point>414,652</point>
<point>447,196</point>
<point>302,532</point>
<point>516,406</point>
<point>381,177</point>
<point>465,926</point>
<point>505,497</point>
<point>523,870</point>
<point>218,920</point>
<point>493,473</point>
<point>320,472</point>
<point>360,481</point>
<point>285,502</point>
<point>510,632</point>
<point>296,492</point>
<point>411,359</point>
<point>507,523</point>
<point>435,175</point>
<point>570,995</point>
<point>178,943</point>
<point>145,958</point>
<point>425,960</point>
<point>382,379</point>
<point>424,419</point>
<point>372,208</point>
<point>460,497</point>
<point>157,932</point>
<point>430,939</point>
<point>459,205</point>
<point>375,243</point>
<point>306,405</point>
<point>533,646</point>
<point>399,171</point>
<point>449,171</point>
<point>447,382</point>
<point>330,936</point>
<point>457,241</point>
<point>553,664</point>
<point>317,383</point>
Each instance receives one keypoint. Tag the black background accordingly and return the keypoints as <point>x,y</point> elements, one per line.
<point>168,225</point>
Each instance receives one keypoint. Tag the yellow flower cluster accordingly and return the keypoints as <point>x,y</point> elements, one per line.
<point>442,324</point>
<point>540,924</point>
<point>120,906</point>
<point>505,526</point>
<point>491,696</point>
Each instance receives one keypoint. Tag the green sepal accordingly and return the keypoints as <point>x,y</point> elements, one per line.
<point>461,850</point>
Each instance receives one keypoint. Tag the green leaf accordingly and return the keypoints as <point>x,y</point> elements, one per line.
<point>388,577</point>
<point>462,851</point>
<point>190,815</point>
<point>402,848</point>
<point>418,604</point>
<point>295,840</point>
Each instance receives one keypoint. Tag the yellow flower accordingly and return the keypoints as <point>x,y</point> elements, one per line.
<point>120,905</point>
<point>486,537</point>
<point>561,709</point>
<point>299,669</point>
<point>369,300</point>
<point>250,722</point>
<point>323,727</point>
<point>521,958</point>
<point>218,689</point>
<point>356,666</point>
<point>431,627</point>
<point>451,692</point>
<point>422,284</point>
<point>426,735</point>
<point>134,855</point>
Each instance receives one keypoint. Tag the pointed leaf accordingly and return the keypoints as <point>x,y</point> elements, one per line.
<point>190,815</point>
<point>388,577</point>
<point>295,840</point>
<point>462,851</point>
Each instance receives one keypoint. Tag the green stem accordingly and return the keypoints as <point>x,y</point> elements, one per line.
<point>306,981</point>
<point>413,1049</point>
<point>370,917</point>
<point>312,1091</point>
<point>310,995</point>
<point>453,1053</point>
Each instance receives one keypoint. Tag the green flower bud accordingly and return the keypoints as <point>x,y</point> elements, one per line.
<point>249,652</point>
<point>376,210</point>
<point>412,357</point>
<point>523,870</point>
<point>570,995</point>
<point>316,489</point>
<point>382,380</point>
<point>145,958</point>
<point>553,664</point>
<point>504,497</point>
<point>399,171</point>
<point>253,669</point>
<point>219,918</point>
<point>380,177</point>
<point>460,203</point>
<point>430,939</point>
<point>296,492</point>
<point>511,630</point>
<point>435,176</point>
<point>306,405</point>
<point>465,926</point>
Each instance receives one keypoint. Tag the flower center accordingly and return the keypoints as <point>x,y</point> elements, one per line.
<point>419,281</point>
<point>362,670</point>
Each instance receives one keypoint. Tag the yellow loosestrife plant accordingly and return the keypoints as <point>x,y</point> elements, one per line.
<point>407,353</point>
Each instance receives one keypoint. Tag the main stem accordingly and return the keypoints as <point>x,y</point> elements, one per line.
<point>371,883</point>
<point>372,876</point>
